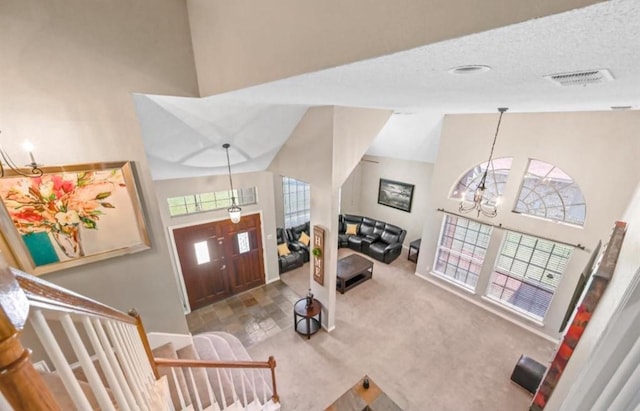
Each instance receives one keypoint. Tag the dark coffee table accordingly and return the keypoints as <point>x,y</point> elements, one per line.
<point>353,270</point>
<point>359,398</point>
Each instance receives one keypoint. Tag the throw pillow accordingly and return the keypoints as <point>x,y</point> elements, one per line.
<point>283,249</point>
<point>352,229</point>
<point>304,239</point>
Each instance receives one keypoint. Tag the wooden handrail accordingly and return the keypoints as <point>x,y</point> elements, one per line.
<point>173,362</point>
<point>49,296</point>
<point>180,363</point>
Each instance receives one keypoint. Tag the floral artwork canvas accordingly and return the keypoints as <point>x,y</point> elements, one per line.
<point>72,215</point>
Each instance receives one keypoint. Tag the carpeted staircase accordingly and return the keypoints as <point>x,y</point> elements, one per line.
<point>214,389</point>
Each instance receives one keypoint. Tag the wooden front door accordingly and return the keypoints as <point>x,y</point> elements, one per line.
<point>220,259</point>
<point>244,251</point>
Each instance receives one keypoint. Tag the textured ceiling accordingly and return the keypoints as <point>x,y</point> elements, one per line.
<point>183,136</point>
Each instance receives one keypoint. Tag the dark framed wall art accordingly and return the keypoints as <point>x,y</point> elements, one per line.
<point>395,194</point>
<point>72,215</point>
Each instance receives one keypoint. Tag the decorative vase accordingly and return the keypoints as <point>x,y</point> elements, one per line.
<point>69,241</point>
<point>309,299</point>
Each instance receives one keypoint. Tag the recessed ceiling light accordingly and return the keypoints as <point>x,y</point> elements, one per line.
<point>469,69</point>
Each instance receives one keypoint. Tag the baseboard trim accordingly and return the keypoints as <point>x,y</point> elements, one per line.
<point>485,307</point>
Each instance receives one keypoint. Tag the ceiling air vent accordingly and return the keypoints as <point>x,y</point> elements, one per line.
<point>581,78</point>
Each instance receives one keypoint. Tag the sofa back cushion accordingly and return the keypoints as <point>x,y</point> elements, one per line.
<point>297,230</point>
<point>367,226</point>
<point>352,219</point>
<point>378,228</point>
<point>391,234</point>
<point>281,236</point>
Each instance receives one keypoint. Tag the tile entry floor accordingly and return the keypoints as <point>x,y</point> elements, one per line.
<point>252,316</point>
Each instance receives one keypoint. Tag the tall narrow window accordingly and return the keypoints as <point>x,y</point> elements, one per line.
<point>527,273</point>
<point>549,192</point>
<point>297,202</point>
<point>461,250</point>
<point>496,180</point>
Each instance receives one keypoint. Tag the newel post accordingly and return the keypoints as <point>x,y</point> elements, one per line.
<point>272,365</point>
<point>20,383</point>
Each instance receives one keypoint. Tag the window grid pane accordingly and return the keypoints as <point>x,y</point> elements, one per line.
<point>548,192</point>
<point>297,202</point>
<point>461,250</point>
<point>527,273</point>
<point>497,175</point>
<point>196,203</point>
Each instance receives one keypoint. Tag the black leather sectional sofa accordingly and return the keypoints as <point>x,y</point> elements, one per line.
<point>374,238</point>
<point>298,251</point>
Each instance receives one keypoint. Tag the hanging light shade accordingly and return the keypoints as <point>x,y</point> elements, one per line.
<point>481,204</point>
<point>234,211</point>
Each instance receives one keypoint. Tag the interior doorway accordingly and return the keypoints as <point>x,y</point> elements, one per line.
<point>219,259</point>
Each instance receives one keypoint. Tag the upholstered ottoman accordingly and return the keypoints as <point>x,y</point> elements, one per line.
<point>528,373</point>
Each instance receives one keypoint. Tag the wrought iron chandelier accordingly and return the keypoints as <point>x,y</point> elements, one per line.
<point>480,203</point>
<point>234,210</point>
<point>6,160</point>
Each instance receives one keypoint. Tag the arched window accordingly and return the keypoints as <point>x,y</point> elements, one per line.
<point>549,192</point>
<point>496,180</point>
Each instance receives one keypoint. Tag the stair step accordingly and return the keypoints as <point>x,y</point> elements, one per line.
<point>236,346</point>
<point>199,376</point>
<point>168,351</point>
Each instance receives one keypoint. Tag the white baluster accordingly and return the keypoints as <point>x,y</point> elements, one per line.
<point>132,379</point>
<point>195,388</point>
<point>59,361</point>
<point>87,364</point>
<point>104,364</point>
<point>115,366</point>
<point>183,405</point>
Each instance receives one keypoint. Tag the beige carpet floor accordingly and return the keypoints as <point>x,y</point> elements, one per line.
<point>425,347</point>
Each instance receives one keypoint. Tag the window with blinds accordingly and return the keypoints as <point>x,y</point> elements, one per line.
<point>527,273</point>
<point>461,250</point>
<point>197,203</point>
<point>297,202</point>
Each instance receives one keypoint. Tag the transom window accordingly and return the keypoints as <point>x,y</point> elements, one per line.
<point>461,250</point>
<point>527,273</point>
<point>496,180</point>
<point>297,202</point>
<point>549,192</point>
<point>197,203</point>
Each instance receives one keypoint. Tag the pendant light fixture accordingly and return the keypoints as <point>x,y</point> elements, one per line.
<point>234,210</point>
<point>480,203</point>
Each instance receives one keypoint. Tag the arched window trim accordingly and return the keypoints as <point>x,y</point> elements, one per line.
<point>520,204</point>
<point>493,186</point>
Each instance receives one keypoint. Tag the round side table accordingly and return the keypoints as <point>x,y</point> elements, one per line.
<point>307,321</point>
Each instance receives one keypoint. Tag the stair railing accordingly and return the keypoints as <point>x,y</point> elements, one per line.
<point>116,367</point>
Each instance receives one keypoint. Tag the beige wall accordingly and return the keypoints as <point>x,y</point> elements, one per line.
<point>360,192</point>
<point>326,146</point>
<point>262,181</point>
<point>241,43</point>
<point>597,149</point>
<point>70,68</point>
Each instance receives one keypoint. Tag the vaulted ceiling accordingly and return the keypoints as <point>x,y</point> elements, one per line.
<point>183,136</point>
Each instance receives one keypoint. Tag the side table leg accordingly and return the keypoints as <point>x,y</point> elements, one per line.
<point>308,328</point>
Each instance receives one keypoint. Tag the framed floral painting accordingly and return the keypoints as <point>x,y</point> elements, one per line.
<point>72,215</point>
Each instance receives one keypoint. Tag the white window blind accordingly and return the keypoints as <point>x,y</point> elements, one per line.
<point>527,273</point>
<point>461,250</point>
